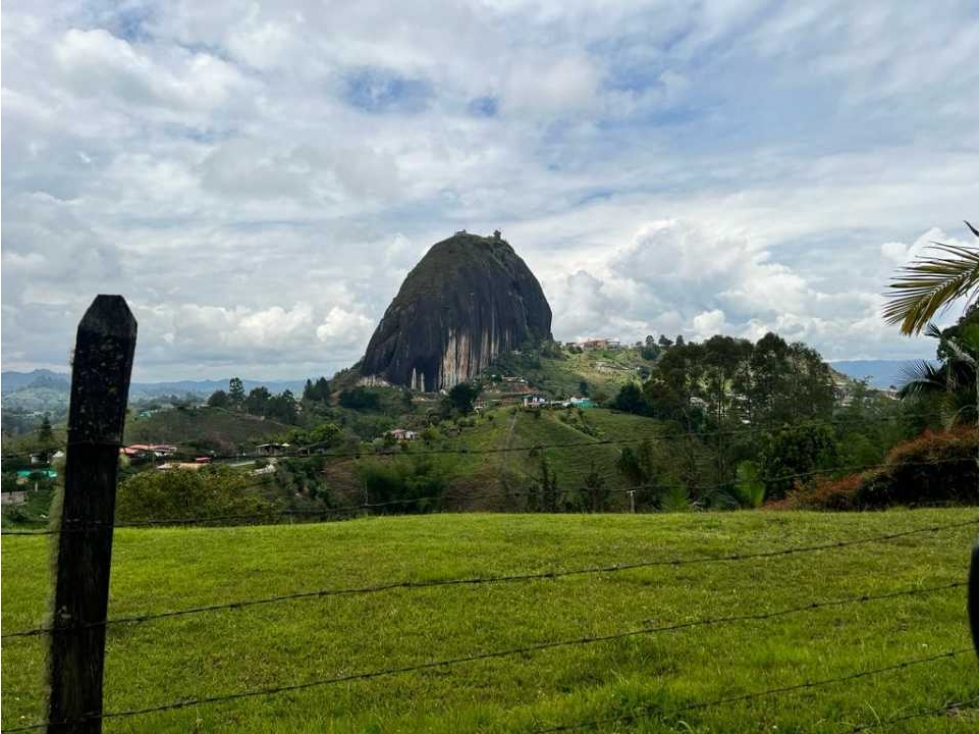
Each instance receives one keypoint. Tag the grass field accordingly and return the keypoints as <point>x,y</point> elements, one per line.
<point>522,428</point>
<point>299,641</point>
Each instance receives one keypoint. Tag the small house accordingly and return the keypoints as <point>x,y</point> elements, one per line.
<point>272,449</point>
<point>402,434</point>
<point>534,401</point>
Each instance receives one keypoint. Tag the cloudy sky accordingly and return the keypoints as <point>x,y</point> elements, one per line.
<point>257,178</point>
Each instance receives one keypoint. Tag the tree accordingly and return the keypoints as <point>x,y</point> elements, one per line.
<point>637,466</point>
<point>802,449</point>
<point>929,285</point>
<point>320,437</point>
<point>360,398</point>
<point>583,388</point>
<point>650,340</point>
<point>650,352</point>
<point>595,492</point>
<point>210,491</point>
<point>679,340</point>
<point>462,397</point>
<point>282,407</point>
<point>631,400</point>
<point>46,442</point>
<point>749,486</point>
<point>219,399</point>
<point>236,392</point>
<point>953,385</point>
<point>257,401</point>
<point>664,342</point>
<point>547,488</point>
<point>316,392</point>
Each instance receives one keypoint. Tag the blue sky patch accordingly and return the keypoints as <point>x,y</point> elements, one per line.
<point>381,90</point>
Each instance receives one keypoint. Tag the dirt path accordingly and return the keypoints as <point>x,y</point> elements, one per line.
<point>509,438</point>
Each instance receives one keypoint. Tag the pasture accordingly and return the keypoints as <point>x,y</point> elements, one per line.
<point>653,681</point>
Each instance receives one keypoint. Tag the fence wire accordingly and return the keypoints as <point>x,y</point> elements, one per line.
<point>82,526</point>
<point>526,650</point>
<point>644,711</point>
<point>505,578</point>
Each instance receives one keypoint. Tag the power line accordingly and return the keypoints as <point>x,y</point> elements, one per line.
<point>478,580</point>
<point>358,454</point>
<point>76,526</point>
<point>644,710</point>
<point>303,453</point>
<point>527,649</point>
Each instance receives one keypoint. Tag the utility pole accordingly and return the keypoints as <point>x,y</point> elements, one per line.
<point>632,501</point>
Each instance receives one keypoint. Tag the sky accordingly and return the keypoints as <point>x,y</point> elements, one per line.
<point>257,178</point>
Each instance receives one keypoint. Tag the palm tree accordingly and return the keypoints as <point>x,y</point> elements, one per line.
<point>954,383</point>
<point>930,285</point>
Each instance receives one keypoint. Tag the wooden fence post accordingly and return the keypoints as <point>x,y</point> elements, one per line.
<point>101,370</point>
<point>974,597</point>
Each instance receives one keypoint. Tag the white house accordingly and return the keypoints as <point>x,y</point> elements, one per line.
<point>534,401</point>
<point>403,434</point>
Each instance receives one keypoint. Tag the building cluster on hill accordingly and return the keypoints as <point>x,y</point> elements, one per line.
<point>536,400</point>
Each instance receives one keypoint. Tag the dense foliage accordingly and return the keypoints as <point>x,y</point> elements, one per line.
<point>726,380</point>
<point>403,485</point>
<point>211,491</point>
<point>933,468</point>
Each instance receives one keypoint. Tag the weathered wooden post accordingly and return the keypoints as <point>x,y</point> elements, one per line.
<point>101,370</point>
<point>974,597</point>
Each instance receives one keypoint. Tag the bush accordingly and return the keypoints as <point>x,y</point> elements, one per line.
<point>934,468</point>
<point>360,398</point>
<point>411,485</point>
<point>183,493</point>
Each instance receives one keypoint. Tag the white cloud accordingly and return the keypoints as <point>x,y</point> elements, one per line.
<point>656,163</point>
<point>537,85</point>
<point>96,63</point>
<point>345,330</point>
<point>709,323</point>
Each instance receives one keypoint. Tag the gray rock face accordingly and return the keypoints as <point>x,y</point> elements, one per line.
<point>467,301</point>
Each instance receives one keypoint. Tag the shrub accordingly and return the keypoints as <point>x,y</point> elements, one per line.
<point>183,493</point>
<point>360,398</point>
<point>935,467</point>
<point>415,484</point>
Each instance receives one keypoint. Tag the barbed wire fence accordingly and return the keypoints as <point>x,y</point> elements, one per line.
<point>84,535</point>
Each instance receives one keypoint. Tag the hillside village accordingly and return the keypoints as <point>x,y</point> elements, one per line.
<point>581,387</point>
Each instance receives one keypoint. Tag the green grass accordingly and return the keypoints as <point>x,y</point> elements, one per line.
<point>297,641</point>
<point>604,370</point>
<point>521,429</point>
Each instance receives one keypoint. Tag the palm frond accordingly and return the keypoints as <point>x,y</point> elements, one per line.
<point>929,285</point>
<point>958,352</point>
<point>922,377</point>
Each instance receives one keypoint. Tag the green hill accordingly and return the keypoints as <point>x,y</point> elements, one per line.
<point>203,429</point>
<point>559,372</point>
<point>299,641</point>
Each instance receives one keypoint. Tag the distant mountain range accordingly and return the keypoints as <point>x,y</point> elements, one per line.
<point>12,382</point>
<point>881,373</point>
<point>39,388</point>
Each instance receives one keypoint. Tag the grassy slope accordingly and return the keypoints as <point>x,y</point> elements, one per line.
<point>298,641</point>
<point>477,475</point>
<point>604,370</point>
<point>183,427</point>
